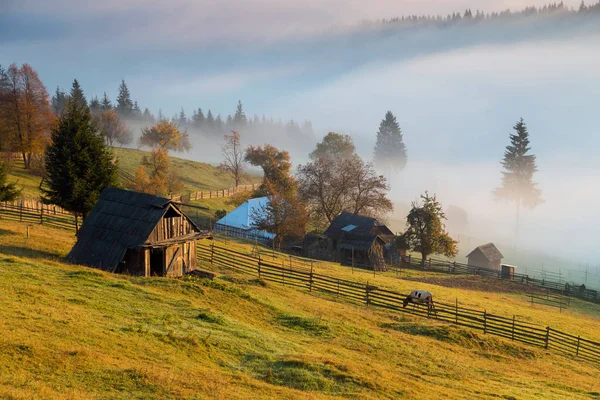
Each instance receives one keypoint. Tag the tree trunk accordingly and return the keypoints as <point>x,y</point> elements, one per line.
<point>24,159</point>
<point>423,260</point>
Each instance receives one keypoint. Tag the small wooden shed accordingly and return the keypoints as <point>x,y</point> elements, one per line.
<point>485,256</point>
<point>138,234</point>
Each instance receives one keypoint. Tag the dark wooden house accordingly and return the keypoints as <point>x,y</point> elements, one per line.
<point>359,239</point>
<point>485,256</point>
<point>137,233</point>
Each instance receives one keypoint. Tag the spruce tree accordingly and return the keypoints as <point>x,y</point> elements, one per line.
<point>219,128</point>
<point>519,167</point>
<point>390,151</point>
<point>210,121</point>
<point>105,105</point>
<point>200,119</point>
<point>95,106</point>
<point>239,119</point>
<point>182,119</point>
<point>124,102</point>
<point>59,101</point>
<point>78,163</point>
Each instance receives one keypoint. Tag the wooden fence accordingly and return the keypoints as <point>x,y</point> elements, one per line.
<point>37,213</point>
<point>307,279</point>
<point>210,194</point>
<point>459,268</point>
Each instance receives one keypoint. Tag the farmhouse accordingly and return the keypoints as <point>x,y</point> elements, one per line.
<point>359,239</point>
<point>137,233</point>
<point>240,221</point>
<point>485,256</point>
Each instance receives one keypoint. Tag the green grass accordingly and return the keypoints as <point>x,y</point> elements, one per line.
<point>196,176</point>
<point>71,332</point>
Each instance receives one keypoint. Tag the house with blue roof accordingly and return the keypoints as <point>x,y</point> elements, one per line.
<point>240,222</point>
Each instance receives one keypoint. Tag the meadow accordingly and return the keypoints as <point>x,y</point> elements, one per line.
<point>72,332</point>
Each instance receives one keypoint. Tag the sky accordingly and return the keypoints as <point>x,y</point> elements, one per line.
<point>456,93</point>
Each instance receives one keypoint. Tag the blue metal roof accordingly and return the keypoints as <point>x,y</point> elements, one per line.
<point>243,216</point>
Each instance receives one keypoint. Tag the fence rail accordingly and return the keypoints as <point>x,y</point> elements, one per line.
<point>42,216</point>
<point>458,268</point>
<point>210,194</point>
<point>370,295</point>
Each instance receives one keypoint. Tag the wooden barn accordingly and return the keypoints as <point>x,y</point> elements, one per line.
<point>359,238</point>
<point>485,256</point>
<point>138,234</point>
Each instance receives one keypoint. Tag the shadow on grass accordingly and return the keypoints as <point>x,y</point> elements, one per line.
<point>6,232</point>
<point>18,251</point>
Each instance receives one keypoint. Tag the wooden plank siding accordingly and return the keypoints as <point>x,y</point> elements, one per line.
<point>172,225</point>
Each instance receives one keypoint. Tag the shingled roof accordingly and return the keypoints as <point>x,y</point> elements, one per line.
<point>120,220</point>
<point>359,242</point>
<point>361,225</point>
<point>490,252</point>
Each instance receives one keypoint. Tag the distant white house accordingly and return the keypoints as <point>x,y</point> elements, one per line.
<point>240,222</point>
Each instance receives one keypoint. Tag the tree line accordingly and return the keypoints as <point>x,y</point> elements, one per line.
<point>202,122</point>
<point>551,10</point>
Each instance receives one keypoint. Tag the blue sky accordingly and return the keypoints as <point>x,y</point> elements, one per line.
<point>456,93</point>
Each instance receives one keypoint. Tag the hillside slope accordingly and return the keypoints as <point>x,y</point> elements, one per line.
<point>195,176</point>
<point>71,332</point>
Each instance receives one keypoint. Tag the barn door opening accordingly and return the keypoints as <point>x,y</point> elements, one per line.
<point>156,262</point>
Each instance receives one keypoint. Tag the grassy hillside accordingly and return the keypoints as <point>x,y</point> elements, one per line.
<point>195,175</point>
<point>70,332</point>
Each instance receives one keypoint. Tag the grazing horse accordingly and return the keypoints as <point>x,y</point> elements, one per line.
<point>420,297</point>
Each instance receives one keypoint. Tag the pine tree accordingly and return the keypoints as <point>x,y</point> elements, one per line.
<point>95,106</point>
<point>199,119</point>
<point>390,151</point>
<point>239,119</point>
<point>182,120</point>
<point>219,126</point>
<point>78,163</point>
<point>106,104</point>
<point>517,177</point>
<point>136,111</point>
<point>76,97</point>
<point>147,116</point>
<point>124,103</point>
<point>59,101</point>
<point>210,121</point>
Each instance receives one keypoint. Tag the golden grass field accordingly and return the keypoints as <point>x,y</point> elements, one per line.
<point>70,332</point>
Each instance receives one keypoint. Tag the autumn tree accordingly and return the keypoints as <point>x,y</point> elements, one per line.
<point>112,129</point>
<point>337,180</point>
<point>426,233</point>
<point>284,215</point>
<point>390,150</point>
<point>26,114</point>
<point>165,134</point>
<point>154,175</point>
<point>276,166</point>
<point>79,165</point>
<point>517,177</point>
<point>233,154</point>
<point>334,145</point>
<point>8,190</point>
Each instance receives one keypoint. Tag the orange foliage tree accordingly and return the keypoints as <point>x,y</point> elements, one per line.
<point>25,115</point>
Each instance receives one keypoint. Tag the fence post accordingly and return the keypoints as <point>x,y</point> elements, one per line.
<point>430,263</point>
<point>21,210</point>
<point>484,321</point>
<point>258,265</point>
<point>310,282</point>
<point>577,350</point>
<point>42,216</point>
<point>513,328</point>
<point>547,337</point>
<point>338,292</point>
<point>282,273</point>
<point>212,253</point>
<point>367,290</point>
